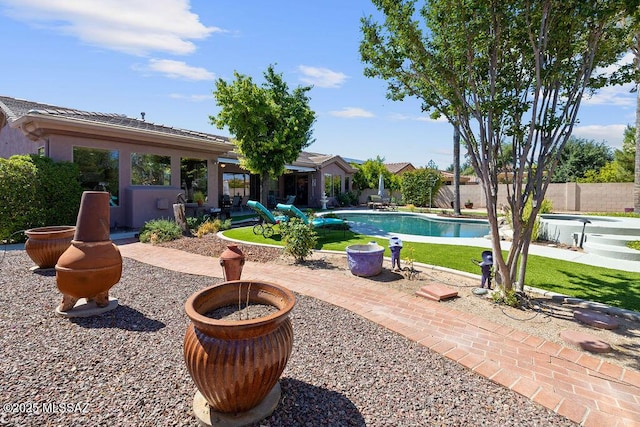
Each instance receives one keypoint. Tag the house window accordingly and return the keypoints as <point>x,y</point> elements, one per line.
<point>193,176</point>
<point>150,169</point>
<point>99,170</point>
<point>332,185</point>
<point>236,184</point>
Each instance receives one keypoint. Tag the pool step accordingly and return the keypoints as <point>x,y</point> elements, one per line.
<point>611,246</point>
<point>611,239</point>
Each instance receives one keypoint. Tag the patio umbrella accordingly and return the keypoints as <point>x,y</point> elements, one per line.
<point>381,186</point>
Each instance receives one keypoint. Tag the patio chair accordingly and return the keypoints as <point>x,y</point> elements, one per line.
<point>236,204</point>
<point>320,221</point>
<point>267,219</point>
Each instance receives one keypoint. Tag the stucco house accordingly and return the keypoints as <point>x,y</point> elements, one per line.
<point>145,166</point>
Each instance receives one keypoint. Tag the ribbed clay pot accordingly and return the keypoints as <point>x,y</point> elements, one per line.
<point>92,264</point>
<point>46,244</point>
<point>236,363</point>
<point>232,261</point>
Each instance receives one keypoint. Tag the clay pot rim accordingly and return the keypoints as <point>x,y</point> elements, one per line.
<point>288,302</point>
<point>53,229</point>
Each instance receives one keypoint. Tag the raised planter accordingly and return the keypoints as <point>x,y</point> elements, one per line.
<point>236,364</point>
<point>365,260</point>
<point>46,244</point>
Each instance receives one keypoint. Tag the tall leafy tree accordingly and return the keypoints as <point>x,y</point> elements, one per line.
<point>368,175</point>
<point>625,157</point>
<point>420,187</point>
<point>578,156</point>
<point>271,124</point>
<point>502,71</point>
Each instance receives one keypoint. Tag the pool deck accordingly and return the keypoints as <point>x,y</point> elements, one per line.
<point>484,242</point>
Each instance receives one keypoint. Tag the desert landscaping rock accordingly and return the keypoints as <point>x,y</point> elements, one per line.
<point>126,366</point>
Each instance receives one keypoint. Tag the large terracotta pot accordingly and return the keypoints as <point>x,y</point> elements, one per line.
<point>92,264</point>
<point>45,244</point>
<point>236,363</point>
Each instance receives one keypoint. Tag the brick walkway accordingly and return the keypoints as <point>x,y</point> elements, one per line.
<point>572,383</point>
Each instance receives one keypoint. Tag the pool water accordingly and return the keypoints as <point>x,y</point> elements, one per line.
<point>419,225</point>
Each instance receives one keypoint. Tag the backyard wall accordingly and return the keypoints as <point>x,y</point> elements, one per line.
<point>569,197</point>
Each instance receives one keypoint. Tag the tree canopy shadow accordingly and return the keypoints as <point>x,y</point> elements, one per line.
<point>614,291</point>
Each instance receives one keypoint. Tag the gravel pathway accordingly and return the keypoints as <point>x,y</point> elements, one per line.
<point>125,367</point>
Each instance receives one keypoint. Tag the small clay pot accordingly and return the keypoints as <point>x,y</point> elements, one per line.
<point>232,261</point>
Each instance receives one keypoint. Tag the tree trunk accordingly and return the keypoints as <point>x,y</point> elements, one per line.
<point>179,215</point>
<point>264,189</point>
<point>636,182</point>
<point>456,171</point>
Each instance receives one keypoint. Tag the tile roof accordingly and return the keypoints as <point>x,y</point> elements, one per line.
<point>15,108</point>
<point>397,167</point>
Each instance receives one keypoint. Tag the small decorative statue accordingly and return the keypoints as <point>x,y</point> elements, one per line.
<point>395,245</point>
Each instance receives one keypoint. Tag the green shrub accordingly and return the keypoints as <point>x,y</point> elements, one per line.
<point>348,198</point>
<point>509,297</point>
<point>35,191</point>
<point>634,245</point>
<point>212,226</point>
<point>160,230</point>
<point>546,207</point>
<point>299,238</point>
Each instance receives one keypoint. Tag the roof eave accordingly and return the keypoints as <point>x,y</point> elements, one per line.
<point>36,126</point>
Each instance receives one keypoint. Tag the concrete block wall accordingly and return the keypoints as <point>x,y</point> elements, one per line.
<point>567,197</point>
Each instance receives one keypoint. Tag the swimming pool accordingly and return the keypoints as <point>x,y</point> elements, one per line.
<point>406,223</point>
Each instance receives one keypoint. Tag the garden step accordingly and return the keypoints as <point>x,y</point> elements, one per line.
<point>436,292</point>
<point>585,341</point>
<point>611,239</point>
<point>596,319</point>
<point>610,251</point>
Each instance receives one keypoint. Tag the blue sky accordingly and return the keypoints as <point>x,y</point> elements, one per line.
<point>163,57</point>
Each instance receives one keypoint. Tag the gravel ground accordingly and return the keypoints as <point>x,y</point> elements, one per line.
<point>126,368</point>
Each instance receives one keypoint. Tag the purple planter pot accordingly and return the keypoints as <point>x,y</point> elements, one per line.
<point>365,260</point>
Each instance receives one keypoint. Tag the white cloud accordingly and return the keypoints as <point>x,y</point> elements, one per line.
<point>193,98</point>
<point>179,69</point>
<point>611,134</point>
<point>619,96</point>
<point>131,26</point>
<point>425,118</point>
<point>321,77</point>
<point>352,112</point>
<point>613,95</point>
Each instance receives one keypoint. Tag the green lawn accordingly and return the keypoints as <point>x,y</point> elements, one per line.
<point>613,287</point>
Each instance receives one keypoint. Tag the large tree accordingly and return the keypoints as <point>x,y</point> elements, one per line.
<point>578,156</point>
<point>502,71</point>
<point>270,124</point>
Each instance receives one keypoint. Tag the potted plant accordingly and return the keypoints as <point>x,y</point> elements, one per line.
<point>237,345</point>
<point>198,197</point>
<point>468,204</point>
